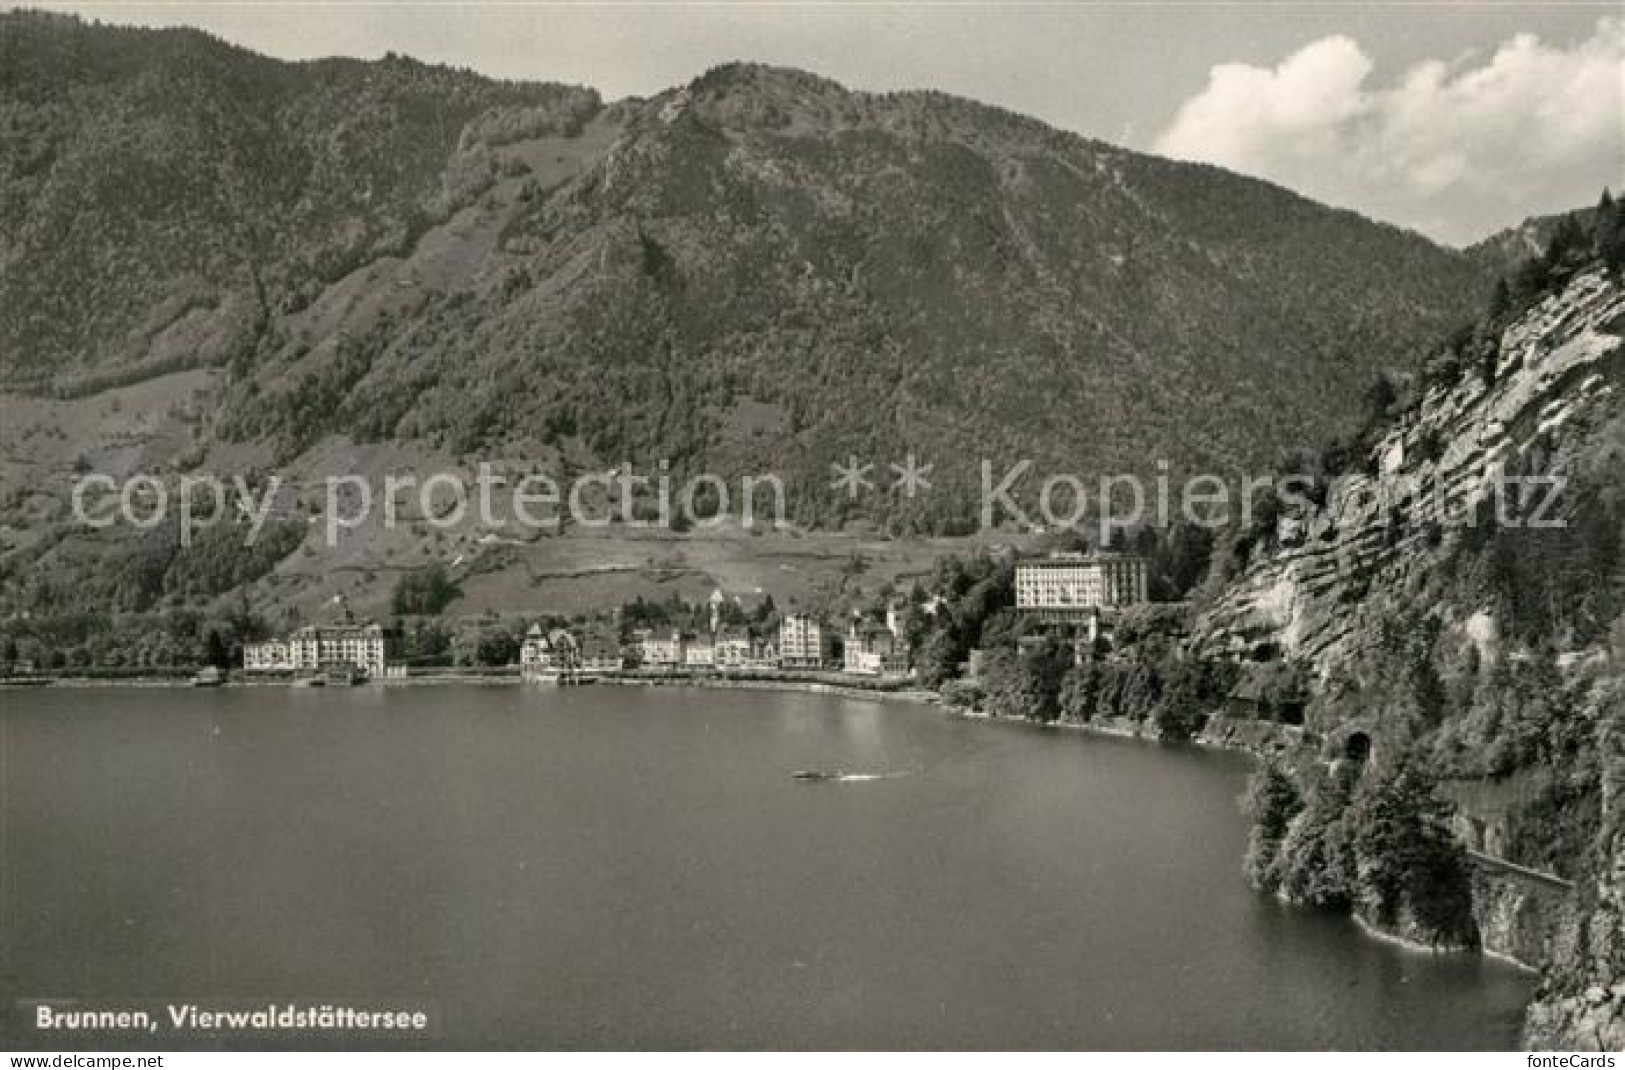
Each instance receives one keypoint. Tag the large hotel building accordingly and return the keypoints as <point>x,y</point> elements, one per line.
<point>320,646</point>
<point>1070,586</point>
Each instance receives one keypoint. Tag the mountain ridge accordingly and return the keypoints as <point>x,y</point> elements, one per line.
<point>758,271</point>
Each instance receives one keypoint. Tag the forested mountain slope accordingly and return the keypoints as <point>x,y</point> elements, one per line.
<point>758,269</point>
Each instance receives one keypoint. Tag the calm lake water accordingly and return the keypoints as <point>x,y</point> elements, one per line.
<point>625,867</point>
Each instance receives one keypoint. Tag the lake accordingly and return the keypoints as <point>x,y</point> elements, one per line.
<point>627,867</point>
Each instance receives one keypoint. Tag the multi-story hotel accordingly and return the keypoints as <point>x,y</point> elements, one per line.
<point>320,646</point>
<point>803,643</point>
<point>325,646</point>
<point>1073,585</point>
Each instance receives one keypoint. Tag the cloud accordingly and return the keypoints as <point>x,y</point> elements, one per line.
<point>1454,148</point>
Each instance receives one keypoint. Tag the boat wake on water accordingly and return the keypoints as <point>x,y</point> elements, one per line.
<point>837,776</point>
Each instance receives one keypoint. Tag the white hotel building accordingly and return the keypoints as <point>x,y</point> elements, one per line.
<point>1073,586</point>
<point>320,646</point>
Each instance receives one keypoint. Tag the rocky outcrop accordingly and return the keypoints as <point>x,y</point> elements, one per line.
<point>1561,365</point>
<point>1521,918</point>
<point>1262,739</point>
<point>1327,589</point>
<point>1581,1003</point>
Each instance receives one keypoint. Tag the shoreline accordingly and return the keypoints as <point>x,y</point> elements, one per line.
<point>1416,947</point>
<point>1220,733</point>
<point>853,689</point>
<point>185,683</point>
<point>917,696</point>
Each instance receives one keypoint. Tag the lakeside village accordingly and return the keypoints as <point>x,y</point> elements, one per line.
<point>733,638</point>
<point>1093,636</point>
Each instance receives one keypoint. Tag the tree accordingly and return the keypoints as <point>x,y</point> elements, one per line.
<point>424,592</point>
<point>1315,863</point>
<point>1181,559</point>
<point>1191,688</point>
<point>497,647</point>
<point>1028,684</point>
<point>1409,862</point>
<point>1500,299</point>
<point>1271,802</point>
<point>939,659</point>
<point>1608,231</point>
<point>1567,242</point>
<point>1080,690</point>
<point>1380,397</point>
<point>1002,629</point>
<point>214,650</point>
<point>427,644</point>
<point>916,630</point>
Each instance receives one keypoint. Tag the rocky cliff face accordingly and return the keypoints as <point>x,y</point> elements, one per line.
<point>1553,395</point>
<point>1581,1004</point>
<point>1457,599</point>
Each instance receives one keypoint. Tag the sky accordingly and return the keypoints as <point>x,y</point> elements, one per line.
<point>1456,118</point>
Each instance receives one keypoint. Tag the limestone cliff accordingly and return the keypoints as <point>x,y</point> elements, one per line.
<point>1556,383</point>
<point>1457,598</point>
<point>1581,1003</point>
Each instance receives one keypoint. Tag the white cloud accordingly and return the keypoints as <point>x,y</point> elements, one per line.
<point>1456,148</point>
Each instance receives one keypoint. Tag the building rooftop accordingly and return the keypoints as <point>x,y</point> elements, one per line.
<point>1080,557</point>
